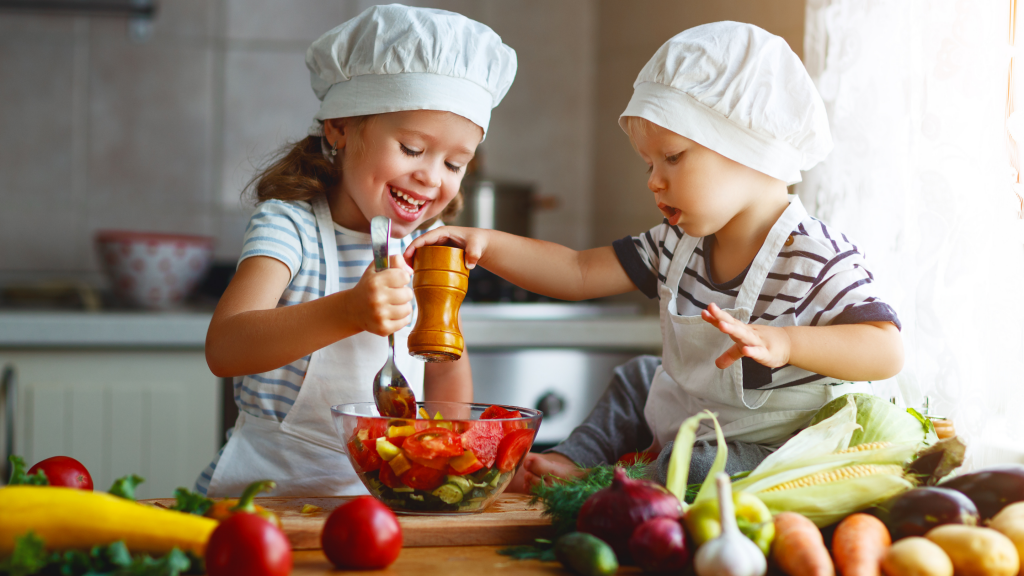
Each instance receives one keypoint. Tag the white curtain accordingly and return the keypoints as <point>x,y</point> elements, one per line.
<point>921,179</point>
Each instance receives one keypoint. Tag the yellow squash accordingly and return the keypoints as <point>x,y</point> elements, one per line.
<point>68,518</point>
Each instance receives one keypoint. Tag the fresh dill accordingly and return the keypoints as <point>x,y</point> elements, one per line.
<point>562,498</point>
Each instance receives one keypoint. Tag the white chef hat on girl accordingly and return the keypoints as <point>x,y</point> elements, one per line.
<point>740,91</point>
<point>394,58</point>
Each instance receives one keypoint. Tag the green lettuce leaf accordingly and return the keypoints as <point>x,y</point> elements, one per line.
<point>191,502</point>
<point>124,487</point>
<point>20,478</point>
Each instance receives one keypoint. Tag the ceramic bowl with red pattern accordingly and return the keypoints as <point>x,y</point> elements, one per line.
<point>152,270</point>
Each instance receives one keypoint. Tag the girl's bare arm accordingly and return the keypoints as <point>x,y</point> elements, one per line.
<point>249,334</point>
<point>538,266</point>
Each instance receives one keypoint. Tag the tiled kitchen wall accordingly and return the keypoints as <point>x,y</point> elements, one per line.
<point>100,132</point>
<point>97,131</point>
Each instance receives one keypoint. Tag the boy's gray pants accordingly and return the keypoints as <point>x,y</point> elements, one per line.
<point>617,426</point>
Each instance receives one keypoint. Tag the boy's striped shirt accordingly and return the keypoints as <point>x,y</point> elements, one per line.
<point>818,279</point>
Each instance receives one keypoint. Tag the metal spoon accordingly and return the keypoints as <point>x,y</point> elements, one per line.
<point>391,391</point>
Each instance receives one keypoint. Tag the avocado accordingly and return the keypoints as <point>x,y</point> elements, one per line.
<point>586,555</point>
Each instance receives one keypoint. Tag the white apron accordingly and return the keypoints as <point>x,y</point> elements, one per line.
<point>303,453</point>
<point>688,381</point>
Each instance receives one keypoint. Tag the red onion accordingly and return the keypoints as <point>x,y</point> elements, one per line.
<point>659,545</point>
<point>614,513</point>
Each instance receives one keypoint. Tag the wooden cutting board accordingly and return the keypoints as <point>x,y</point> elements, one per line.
<point>510,520</point>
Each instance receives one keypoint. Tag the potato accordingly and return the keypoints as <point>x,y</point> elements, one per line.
<point>916,556</point>
<point>976,551</point>
<point>1010,523</point>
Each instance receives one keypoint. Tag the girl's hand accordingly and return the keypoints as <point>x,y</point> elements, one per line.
<point>385,298</point>
<point>767,345</point>
<point>472,240</point>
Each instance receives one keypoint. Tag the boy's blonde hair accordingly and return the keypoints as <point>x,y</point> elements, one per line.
<point>636,127</point>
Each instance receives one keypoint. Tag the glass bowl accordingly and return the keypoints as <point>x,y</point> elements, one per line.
<point>457,461</point>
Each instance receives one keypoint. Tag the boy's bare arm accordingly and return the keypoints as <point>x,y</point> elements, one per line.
<point>854,352</point>
<point>448,381</point>
<point>542,267</point>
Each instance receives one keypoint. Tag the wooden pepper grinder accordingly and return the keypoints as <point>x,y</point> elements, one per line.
<point>440,279</point>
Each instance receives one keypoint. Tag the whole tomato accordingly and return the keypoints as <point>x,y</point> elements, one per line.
<point>248,545</point>
<point>64,471</point>
<point>362,534</point>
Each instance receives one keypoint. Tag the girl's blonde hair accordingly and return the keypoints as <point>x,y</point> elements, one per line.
<point>300,171</point>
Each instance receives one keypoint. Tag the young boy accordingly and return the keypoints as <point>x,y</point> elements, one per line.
<point>766,312</point>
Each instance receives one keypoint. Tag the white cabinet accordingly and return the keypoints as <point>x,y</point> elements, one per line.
<point>151,413</point>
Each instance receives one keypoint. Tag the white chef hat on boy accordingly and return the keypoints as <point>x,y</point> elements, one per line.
<point>394,58</point>
<point>740,91</point>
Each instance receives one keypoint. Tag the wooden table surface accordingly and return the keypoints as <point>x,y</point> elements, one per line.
<point>440,561</point>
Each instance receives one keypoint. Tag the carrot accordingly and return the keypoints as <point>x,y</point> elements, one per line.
<point>859,544</point>
<point>799,549</point>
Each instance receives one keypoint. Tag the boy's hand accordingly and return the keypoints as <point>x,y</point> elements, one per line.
<point>767,345</point>
<point>536,466</point>
<point>472,240</point>
<point>383,299</point>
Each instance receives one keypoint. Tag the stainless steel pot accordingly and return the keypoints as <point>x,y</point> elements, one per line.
<point>497,205</point>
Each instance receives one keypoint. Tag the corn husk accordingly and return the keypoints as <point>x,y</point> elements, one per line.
<point>822,448</point>
<point>816,449</point>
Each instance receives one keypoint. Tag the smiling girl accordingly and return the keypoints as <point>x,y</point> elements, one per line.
<point>406,98</point>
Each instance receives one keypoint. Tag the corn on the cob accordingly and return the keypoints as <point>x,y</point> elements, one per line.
<point>865,447</point>
<point>844,473</point>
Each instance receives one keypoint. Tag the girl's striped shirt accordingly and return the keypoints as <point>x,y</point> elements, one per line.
<point>820,278</point>
<point>286,231</point>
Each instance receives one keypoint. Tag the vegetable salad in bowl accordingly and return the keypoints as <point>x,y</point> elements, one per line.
<point>454,458</point>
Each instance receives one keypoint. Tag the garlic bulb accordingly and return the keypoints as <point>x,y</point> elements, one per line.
<point>732,553</point>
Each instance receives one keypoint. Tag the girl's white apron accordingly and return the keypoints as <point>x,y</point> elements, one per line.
<point>688,380</point>
<point>303,453</point>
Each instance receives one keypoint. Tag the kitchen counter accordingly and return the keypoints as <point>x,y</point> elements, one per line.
<point>484,327</point>
<point>447,561</point>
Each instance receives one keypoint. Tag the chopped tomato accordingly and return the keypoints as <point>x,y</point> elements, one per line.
<point>374,427</point>
<point>397,440</point>
<point>433,443</point>
<point>435,463</point>
<point>423,478</point>
<point>364,453</point>
<point>512,448</point>
<point>482,439</point>
<point>496,412</point>
<point>389,478</point>
<point>635,458</point>
<point>465,464</point>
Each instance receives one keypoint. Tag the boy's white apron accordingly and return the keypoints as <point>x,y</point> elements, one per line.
<point>303,452</point>
<point>688,380</point>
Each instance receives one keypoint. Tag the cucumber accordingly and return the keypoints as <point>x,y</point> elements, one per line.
<point>462,483</point>
<point>450,493</point>
<point>586,555</point>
